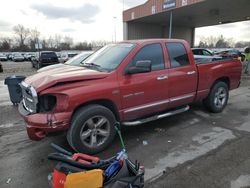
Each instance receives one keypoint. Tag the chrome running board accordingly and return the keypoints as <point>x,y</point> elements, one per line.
<point>156,117</point>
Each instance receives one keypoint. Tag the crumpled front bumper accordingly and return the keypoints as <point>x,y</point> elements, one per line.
<point>40,124</point>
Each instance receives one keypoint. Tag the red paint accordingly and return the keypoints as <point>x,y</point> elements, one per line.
<point>78,86</point>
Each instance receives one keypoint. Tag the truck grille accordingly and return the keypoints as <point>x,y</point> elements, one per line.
<point>30,99</point>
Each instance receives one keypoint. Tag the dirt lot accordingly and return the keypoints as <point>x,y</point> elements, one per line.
<point>193,149</point>
<point>20,68</point>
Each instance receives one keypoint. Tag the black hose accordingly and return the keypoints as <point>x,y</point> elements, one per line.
<point>60,149</point>
<point>65,159</point>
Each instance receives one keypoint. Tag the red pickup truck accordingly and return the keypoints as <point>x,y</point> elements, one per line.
<point>131,82</point>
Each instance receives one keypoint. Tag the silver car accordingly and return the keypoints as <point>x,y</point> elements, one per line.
<point>18,57</point>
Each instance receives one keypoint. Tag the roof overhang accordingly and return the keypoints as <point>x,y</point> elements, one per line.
<point>204,13</point>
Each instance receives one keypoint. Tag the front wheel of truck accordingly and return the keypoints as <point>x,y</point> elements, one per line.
<point>92,129</point>
<point>217,98</point>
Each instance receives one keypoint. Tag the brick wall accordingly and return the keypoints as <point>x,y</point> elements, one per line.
<point>146,9</point>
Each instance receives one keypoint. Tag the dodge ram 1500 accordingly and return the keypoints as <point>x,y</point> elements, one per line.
<point>131,82</point>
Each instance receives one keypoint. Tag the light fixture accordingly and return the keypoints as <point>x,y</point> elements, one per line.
<point>220,22</point>
<point>248,17</point>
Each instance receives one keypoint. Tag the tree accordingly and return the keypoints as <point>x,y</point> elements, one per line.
<point>83,46</point>
<point>222,43</point>
<point>45,44</point>
<point>242,44</point>
<point>51,42</point>
<point>34,38</point>
<point>22,34</point>
<point>67,43</point>
<point>68,40</point>
<point>5,44</point>
<point>203,44</point>
<point>57,40</point>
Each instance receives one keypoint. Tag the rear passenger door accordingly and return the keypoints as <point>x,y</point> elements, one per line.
<point>182,75</point>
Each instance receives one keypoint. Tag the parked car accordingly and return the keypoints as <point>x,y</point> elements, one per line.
<point>17,57</point>
<point>67,56</point>
<point>131,82</point>
<point>204,55</point>
<point>28,56</point>
<point>75,61</point>
<point>44,58</point>
<point>231,54</point>
<point>58,55</point>
<point>10,56</point>
<point>3,57</point>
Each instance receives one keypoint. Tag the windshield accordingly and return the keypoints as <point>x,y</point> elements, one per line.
<point>109,57</point>
<point>77,60</point>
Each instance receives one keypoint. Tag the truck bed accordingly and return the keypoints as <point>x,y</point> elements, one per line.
<point>208,72</point>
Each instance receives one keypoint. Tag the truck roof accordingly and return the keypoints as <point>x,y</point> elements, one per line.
<point>153,40</point>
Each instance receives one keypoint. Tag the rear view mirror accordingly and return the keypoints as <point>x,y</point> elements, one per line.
<point>142,66</point>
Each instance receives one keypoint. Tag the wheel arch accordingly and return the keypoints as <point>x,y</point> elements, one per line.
<point>224,79</point>
<point>103,102</point>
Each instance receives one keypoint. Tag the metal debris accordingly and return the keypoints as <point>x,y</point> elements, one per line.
<point>8,181</point>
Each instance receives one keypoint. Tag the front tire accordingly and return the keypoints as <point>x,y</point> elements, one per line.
<point>217,98</point>
<point>92,129</point>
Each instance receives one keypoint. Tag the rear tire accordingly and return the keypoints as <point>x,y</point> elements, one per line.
<point>92,129</point>
<point>217,98</point>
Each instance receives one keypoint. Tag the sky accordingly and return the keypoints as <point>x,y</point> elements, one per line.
<point>87,20</point>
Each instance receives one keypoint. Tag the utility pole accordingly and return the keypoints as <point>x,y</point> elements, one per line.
<point>114,28</point>
<point>170,25</point>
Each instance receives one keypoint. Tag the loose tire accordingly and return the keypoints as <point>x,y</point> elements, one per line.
<point>92,129</point>
<point>217,98</point>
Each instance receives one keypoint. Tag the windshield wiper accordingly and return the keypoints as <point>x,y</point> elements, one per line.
<point>93,65</point>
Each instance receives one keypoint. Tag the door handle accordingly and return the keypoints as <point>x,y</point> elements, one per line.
<point>191,72</point>
<point>162,78</point>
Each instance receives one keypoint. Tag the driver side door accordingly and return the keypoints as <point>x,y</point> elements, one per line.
<point>145,93</point>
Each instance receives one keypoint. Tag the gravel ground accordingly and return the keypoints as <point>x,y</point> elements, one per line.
<point>16,68</point>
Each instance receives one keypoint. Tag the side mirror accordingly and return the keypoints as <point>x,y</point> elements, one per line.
<point>142,66</point>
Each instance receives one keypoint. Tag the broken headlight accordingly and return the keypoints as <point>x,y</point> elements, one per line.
<point>47,103</point>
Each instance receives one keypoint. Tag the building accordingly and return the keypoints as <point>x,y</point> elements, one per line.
<point>179,18</point>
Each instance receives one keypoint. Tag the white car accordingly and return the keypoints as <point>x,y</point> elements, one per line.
<point>3,57</point>
<point>67,56</point>
<point>202,55</point>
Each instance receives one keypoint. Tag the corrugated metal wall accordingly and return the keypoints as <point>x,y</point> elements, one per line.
<point>144,31</point>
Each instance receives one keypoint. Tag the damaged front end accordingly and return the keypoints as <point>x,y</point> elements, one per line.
<point>43,114</point>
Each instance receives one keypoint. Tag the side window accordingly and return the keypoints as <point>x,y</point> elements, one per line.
<point>205,52</point>
<point>177,54</point>
<point>152,52</point>
<point>197,52</point>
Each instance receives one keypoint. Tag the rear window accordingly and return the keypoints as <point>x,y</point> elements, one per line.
<point>48,55</point>
<point>72,55</point>
<point>177,54</point>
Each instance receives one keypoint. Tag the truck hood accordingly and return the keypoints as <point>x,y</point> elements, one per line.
<point>62,74</point>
